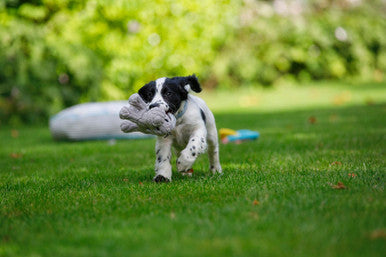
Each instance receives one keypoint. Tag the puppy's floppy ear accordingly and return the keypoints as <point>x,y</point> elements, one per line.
<point>147,91</point>
<point>191,82</point>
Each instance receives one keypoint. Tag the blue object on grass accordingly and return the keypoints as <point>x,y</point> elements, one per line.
<point>244,134</point>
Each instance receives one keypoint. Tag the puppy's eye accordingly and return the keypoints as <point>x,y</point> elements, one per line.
<point>168,94</point>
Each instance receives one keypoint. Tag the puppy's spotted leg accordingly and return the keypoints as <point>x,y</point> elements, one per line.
<point>213,151</point>
<point>163,168</point>
<point>214,159</point>
<point>197,145</point>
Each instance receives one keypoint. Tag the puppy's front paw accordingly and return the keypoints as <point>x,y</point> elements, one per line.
<point>185,161</point>
<point>160,179</point>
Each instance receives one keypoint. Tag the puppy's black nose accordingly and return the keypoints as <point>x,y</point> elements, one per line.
<point>153,105</point>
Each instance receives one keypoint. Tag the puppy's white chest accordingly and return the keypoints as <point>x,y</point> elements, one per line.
<point>182,135</point>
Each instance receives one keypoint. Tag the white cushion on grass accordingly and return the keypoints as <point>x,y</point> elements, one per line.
<point>90,121</point>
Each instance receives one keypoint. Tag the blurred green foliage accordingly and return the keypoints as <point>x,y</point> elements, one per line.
<point>56,53</point>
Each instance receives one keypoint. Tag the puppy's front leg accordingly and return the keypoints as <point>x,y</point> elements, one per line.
<point>163,168</point>
<point>197,145</point>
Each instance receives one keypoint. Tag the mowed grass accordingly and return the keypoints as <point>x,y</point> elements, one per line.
<point>277,197</point>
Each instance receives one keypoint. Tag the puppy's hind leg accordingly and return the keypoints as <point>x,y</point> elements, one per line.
<point>213,151</point>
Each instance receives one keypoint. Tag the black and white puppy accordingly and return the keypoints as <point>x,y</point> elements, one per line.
<point>195,130</point>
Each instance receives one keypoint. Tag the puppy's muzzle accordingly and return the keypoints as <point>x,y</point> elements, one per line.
<point>162,105</point>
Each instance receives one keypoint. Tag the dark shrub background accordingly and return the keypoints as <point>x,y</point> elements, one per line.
<point>54,54</point>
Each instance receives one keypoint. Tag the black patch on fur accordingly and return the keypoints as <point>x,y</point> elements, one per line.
<point>194,147</point>
<point>158,151</point>
<point>161,179</point>
<point>194,154</point>
<point>173,90</point>
<point>148,91</point>
<point>203,115</point>
<point>193,82</point>
<point>173,94</point>
<point>159,158</point>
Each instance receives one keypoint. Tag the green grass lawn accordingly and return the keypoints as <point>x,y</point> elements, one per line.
<point>276,197</point>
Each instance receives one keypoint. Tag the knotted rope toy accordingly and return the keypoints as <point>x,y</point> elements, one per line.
<point>137,117</point>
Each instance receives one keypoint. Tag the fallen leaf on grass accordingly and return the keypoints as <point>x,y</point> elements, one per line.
<point>335,163</point>
<point>125,179</point>
<point>379,233</point>
<point>255,202</point>
<point>140,183</point>
<point>16,155</point>
<point>312,120</point>
<point>340,185</point>
<point>353,175</point>
<point>14,133</point>
<point>369,101</point>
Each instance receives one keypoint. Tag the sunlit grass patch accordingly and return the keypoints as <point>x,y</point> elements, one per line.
<point>295,97</point>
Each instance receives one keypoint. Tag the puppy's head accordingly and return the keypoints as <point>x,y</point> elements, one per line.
<point>169,93</point>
